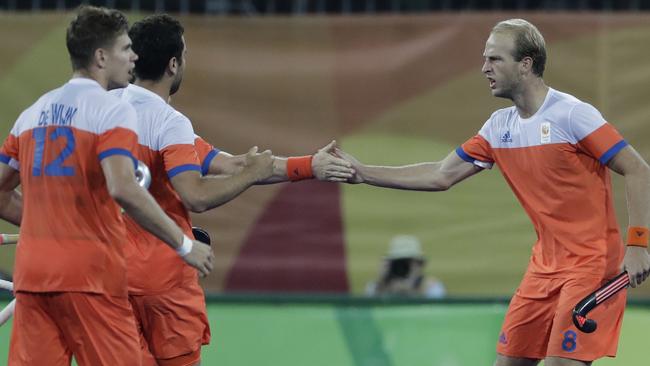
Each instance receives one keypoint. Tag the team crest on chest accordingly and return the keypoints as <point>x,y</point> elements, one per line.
<point>545,132</point>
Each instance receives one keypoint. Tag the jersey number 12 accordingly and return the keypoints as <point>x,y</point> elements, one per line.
<point>55,167</point>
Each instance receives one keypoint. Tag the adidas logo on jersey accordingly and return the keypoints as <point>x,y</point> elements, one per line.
<point>506,137</point>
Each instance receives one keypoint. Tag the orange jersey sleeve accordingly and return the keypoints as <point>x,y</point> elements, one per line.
<point>180,158</point>
<point>117,141</point>
<point>593,134</point>
<point>206,153</point>
<point>477,151</point>
<point>603,144</point>
<point>9,151</point>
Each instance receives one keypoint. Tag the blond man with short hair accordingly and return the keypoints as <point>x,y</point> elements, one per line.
<point>555,152</point>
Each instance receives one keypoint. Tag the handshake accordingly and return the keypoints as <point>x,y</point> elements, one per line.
<point>329,164</point>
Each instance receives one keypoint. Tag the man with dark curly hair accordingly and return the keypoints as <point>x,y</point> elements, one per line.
<point>72,151</point>
<point>167,299</point>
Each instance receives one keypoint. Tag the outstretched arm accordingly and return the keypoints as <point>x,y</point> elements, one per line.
<point>324,166</point>
<point>433,176</point>
<point>636,172</point>
<point>201,193</point>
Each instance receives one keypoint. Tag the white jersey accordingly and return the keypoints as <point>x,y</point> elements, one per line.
<point>166,146</point>
<point>70,222</point>
<point>554,162</point>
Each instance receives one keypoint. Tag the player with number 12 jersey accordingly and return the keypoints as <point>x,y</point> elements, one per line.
<point>58,144</point>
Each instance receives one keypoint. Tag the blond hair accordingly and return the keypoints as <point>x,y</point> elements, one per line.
<point>529,42</point>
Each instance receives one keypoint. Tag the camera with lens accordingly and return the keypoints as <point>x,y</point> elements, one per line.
<point>400,267</point>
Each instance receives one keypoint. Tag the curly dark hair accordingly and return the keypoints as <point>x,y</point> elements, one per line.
<point>92,28</point>
<point>156,39</point>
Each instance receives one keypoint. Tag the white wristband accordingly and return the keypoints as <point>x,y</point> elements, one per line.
<point>186,247</point>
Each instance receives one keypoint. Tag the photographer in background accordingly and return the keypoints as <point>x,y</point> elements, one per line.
<point>402,272</point>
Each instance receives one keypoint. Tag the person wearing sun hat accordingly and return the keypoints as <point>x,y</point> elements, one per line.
<point>403,274</point>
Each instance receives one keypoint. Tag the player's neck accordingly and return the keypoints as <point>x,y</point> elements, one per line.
<point>530,98</point>
<point>160,88</point>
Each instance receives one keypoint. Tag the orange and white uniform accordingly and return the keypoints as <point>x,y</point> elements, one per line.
<point>555,163</point>
<point>164,290</point>
<point>70,270</point>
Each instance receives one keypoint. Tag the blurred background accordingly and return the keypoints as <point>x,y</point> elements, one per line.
<point>394,82</point>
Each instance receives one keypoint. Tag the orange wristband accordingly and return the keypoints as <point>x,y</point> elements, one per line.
<point>637,236</point>
<point>299,168</point>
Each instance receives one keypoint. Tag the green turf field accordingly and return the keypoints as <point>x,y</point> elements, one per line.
<point>364,335</point>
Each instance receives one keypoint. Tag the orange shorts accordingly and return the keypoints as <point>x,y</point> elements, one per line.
<point>538,322</point>
<point>49,328</point>
<point>173,325</point>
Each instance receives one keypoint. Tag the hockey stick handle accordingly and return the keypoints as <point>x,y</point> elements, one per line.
<point>8,239</point>
<point>7,312</point>
<point>6,285</point>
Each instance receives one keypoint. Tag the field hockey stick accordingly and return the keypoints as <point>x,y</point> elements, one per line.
<point>8,239</point>
<point>8,311</point>
<point>201,235</point>
<point>596,298</point>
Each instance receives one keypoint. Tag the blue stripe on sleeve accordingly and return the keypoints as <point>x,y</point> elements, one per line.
<point>5,158</point>
<point>205,167</point>
<point>115,151</point>
<point>463,155</point>
<point>609,154</point>
<point>182,168</point>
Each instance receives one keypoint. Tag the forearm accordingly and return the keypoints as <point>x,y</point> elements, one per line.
<point>12,208</point>
<point>214,191</point>
<point>141,207</point>
<point>418,177</point>
<point>225,165</point>
<point>279,171</point>
<point>281,166</point>
<point>637,185</point>
<point>636,261</point>
<point>636,173</point>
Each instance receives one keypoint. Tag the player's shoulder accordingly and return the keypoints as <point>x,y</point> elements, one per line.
<point>561,101</point>
<point>504,113</point>
<point>110,111</point>
<point>118,93</point>
<point>151,106</point>
<point>141,99</point>
<point>175,126</point>
<point>165,117</point>
<point>501,117</point>
<point>32,112</point>
<point>108,100</point>
<point>115,105</point>
<point>176,116</point>
<point>564,107</point>
<point>45,98</point>
<point>167,126</point>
